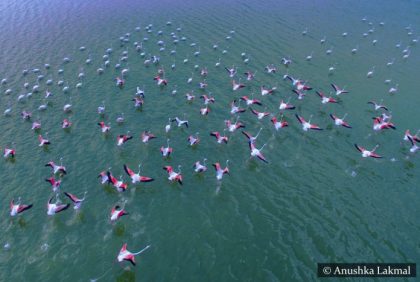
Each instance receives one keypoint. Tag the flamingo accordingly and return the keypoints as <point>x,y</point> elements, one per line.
<point>250,101</point>
<point>260,115</point>
<point>207,100</point>
<point>122,138</point>
<point>18,208</point>
<point>26,115</point>
<point>235,109</point>
<point>118,184</point>
<point>101,109</point>
<point>232,127</point>
<point>251,139</point>
<point>202,85</point>
<point>378,106</point>
<point>53,208</point>
<point>267,91</point>
<point>57,168</point>
<point>166,151</point>
<point>219,171</point>
<point>219,138</point>
<point>198,167</point>
<point>76,201</point>
<point>117,212</point>
<point>279,124</point>
<point>300,94</point>
<point>104,128</point>
<point>250,75</point>
<point>205,111</point>
<point>180,122</point>
<point>307,124</point>
<point>414,147</point>
<point>271,69</point>
<point>393,90</point>
<point>231,71</point>
<point>36,125</point>
<point>204,72</point>
<point>168,126</point>
<point>138,102</point>
<point>66,124</point>
<point>42,141</point>
<point>194,140</point>
<point>257,152</point>
<point>136,177</point>
<point>160,81</point>
<point>298,84</point>
<point>120,119</point>
<point>104,176</point>
<point>325,99</point>
<point>408,136</point>
<point>190,96</point>
<point>366,153</point>
<point>172,175</point>
<point>379,123</point>
<point>338,90</point>
<point>340,121</point>
<point>120,82</point>
<point>237,86</point>
<point>285,105</point>
<point>126,255</point>
<point>146,136</point>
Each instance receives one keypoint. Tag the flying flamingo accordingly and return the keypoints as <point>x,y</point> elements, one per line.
<point>193,140</point>
<point>307,124</point>
<point>257,152</point>
<point>378,106</point>
<point>235,109</point>
<point>146,136</point>
<point>366,153</point>
<point>56,168</point>
<point>251,139</point>
<point>379,124</point>
<point>286,105</point>
<point>260,115</point>
<point>219,171</point>
<point>136,177</point>
<point>122,138</point>
<point>166,151</point>
<point>219,138</point>
<point>117,212</point>
<point>76,201</point>
<point>325,99</point>
<point>267,91</point>
<point>237,86</point>
<point>172,175</point>
<point>18,208</point>
<point>340,121</point>
<point>232,127</point>
<point>55,183</point>
<point>279,124</point>
<point>198,167</point>
<point>53,208</point>
<point>250,101</point>
<point>338,90</point>
<point>104,128</point>
<point>118,184</point>
<point>42,141</point>
<point>126,255</point>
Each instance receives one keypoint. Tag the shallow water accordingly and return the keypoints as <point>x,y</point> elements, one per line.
<point>316,201</point>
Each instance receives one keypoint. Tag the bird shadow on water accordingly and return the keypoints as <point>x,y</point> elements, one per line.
<point>127,276</point>
<point>119,230</point>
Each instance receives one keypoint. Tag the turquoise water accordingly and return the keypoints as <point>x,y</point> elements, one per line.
<point>317,200</point>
